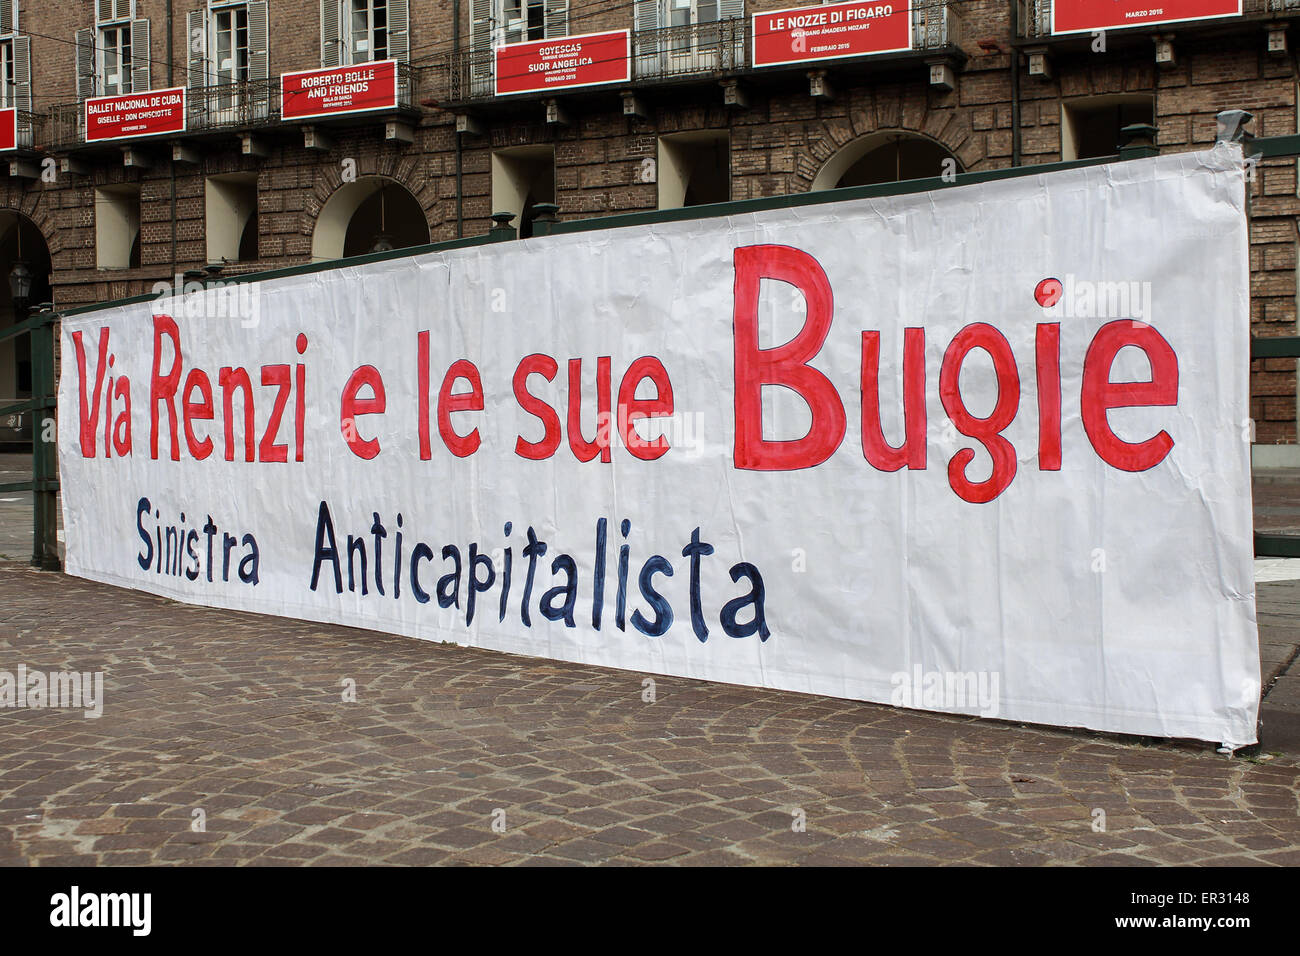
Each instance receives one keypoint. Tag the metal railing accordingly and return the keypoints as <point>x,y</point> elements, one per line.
<point>65,126</point>
<point>44,483</point>
<point>29,125</point>
<point>699,49</point>
<point>245,105</point>
<point>1232,128</point>
<point>937,25</point>
<point>717,47</point>
<point>232,105</point>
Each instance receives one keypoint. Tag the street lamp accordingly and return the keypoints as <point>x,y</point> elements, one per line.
<point>383,241</point>
<point>20,277</point>
<point>20,285</point>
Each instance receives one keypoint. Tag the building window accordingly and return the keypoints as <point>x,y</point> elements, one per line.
<point>367,30</point>
<point>523,20</point>
<point>230,44</point>
<point>228,56</point>
<point>231,217</point>
<point>694,169</point>
<point>674,37</point>
<point>15,61</point>
<point>364,31</point>
<point>115,59</point>
<point>8,92</point>
<point>685,14</point>
<point>1090,126</point>
<point>497,22</point>
<point>117,227</point>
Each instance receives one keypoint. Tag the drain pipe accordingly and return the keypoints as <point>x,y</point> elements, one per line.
<point>460,199</point>
<point>1014,12</point>
<point>460,192</point>
<point>171,51</point>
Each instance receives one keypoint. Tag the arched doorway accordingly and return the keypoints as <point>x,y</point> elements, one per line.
<point>23,248</point>
<point>370,215</point>
<point>887,156</point>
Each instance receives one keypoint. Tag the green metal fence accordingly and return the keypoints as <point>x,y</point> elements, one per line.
<point>44,483</point>
<point>1139,141</point>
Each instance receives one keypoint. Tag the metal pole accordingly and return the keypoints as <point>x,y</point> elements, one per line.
<point>1013,54</point>
<point>45,466</point>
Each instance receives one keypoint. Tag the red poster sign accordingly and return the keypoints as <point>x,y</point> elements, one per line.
<point>1082,16</point>
<point>338,90</point>
<point>8,130</point>
<point>564,63</point>
<point>152,113</point>
<point>828,32</point>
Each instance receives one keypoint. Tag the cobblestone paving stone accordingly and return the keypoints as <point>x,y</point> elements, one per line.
<point>241,716</point>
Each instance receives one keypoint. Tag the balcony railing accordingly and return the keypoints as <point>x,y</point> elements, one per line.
<point>936,26</point>
<point>717,47</point>
<point>232,105</point>
<point>65,126</point>
<point>700,50</point>
<point>218,106</point>
<point>1036,16</point>
<point>29,126</point>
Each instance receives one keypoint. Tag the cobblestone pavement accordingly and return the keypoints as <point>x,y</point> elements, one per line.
<point>15,509</point>
<point>240,716</point>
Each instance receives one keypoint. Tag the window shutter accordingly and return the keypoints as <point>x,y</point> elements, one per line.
<point>647,42</point>
<point>557,18</point>
<point>8,16</point>
<point>23,73</point>
<point>122,10</point>
<point>331,40</point>
<point>480,34</point>
<point>103,11</point>
<point>85,63</point>
<point>141,59</point>
<point>196,43</point>
<point>399,37</point>
<point>733,53</point>
<point>259,65</point>
<point>480,46</point>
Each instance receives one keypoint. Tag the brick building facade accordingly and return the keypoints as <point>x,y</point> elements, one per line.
<point>985,85</point>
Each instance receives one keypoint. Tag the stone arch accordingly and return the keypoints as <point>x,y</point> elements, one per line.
<point>21,239</point>
<point>886,155</point>
<point>368,214</point>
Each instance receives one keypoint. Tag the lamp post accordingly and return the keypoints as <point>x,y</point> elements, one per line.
<point>20,279</point>
<point>20,288</point>
<point>383,241</point>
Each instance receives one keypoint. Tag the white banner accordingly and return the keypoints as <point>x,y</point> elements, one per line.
<point>649,448</point>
